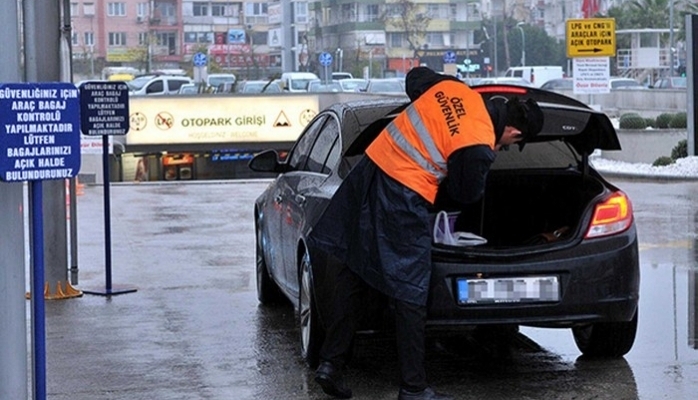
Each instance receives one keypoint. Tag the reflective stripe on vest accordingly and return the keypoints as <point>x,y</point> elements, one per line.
<point>438,170</point>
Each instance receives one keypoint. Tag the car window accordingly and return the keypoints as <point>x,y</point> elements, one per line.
<point>300,152</point>
<point>300,84</point>
<point>323,147</point>
<point>175,84</point>
<point>155,87</point>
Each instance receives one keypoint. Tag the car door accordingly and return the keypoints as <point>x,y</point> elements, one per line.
<point>304,186</point>
<point>284,192</point>
<point>155,87</point>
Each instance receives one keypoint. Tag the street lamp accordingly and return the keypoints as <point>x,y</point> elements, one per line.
<point>523,44</point>
<point>340,56</point>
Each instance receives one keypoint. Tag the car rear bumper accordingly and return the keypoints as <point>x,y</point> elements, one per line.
<point>599,281</point>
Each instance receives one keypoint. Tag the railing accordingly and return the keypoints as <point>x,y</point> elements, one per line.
<point>645,63</point>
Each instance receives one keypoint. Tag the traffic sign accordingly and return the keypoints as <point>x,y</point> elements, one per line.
<point>591,37</point>
<point>41,131</point>
<point>104,108</point>
<point>199,60</point>
<point>325,59</point>
<point>449,57</point>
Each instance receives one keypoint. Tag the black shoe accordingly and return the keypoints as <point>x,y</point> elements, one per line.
<point>426,394</point>
<point>331,381</point>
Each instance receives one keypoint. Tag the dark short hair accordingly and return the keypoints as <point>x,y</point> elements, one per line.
<point>525,116</point>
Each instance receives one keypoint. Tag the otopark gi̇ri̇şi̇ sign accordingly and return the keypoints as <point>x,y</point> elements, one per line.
<point>40,137</point>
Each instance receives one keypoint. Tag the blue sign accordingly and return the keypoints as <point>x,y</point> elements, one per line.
<point>449,57</point>
<point>104,108</point>
<point>325,59</point>
<point>199,60</point>
<point>236,36</point>
<point>40,139</point>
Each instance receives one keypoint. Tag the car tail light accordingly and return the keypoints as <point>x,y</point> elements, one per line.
<point>611,216</point>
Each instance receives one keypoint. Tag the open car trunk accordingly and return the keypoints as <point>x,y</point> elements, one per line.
<point>534,195</point>
<point>528,208</point>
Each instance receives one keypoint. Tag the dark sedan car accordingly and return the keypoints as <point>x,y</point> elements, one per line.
<point>561,247</point>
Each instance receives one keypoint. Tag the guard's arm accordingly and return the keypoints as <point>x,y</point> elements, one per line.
<point>467,172</point>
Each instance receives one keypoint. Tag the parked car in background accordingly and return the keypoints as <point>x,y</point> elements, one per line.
<point>504,81</point>
<point>259,86</point>
<point>297,81</point>
<point>564,256</point>
<point>353,85</point>
<point>674,82</point>
<point>157,85</point>
<point>226,87</point>
<point>188,88</point>
<point>625,83</point>
<point>536,75</point>
<point>557,84</point>
<point>386,86</point>
<point>324,87</point>
<point>338,76</point>
<point>215,80</point>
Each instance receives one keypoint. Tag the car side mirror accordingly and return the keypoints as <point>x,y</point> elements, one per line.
<point>266,161</point>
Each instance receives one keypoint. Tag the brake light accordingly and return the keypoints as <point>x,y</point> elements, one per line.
<point>501,89</point>
<point>613,215</point>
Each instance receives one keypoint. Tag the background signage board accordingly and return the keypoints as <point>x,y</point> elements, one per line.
<point>104,108</point>
<point>40,131</point>
<point>591,75</point>
<point>591,37</point>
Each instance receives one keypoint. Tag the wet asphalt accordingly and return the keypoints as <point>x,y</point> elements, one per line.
<point>193,328</point>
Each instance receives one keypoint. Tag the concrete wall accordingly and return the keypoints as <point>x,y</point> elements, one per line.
<point>648,103</point>
<point>646,145</point>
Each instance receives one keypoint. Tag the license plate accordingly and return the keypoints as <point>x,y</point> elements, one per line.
<point>508,290</point>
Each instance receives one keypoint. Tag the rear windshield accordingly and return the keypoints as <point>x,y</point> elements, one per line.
<point>553,154</point>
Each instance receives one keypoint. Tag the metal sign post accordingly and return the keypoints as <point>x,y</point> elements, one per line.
<point>325,60</point>
<point>104,106</point>
<point>40,141</point>
<point>200,61</point>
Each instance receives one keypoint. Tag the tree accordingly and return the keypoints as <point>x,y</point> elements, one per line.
<point>407,17</point>
<point>541,49</point>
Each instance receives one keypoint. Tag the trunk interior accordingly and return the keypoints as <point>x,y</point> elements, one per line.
<point>523,208</point>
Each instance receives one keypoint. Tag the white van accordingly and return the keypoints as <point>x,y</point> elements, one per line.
<point>157,85</point>
<point>297,81</point>
<point>536,74</point>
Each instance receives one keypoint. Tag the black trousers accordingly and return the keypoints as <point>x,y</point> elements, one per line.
<point>410,328</point>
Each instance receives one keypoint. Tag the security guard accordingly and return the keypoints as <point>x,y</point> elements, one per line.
<point>377,224</point>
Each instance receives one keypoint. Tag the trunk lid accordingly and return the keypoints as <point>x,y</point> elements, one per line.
<point>565,119</point>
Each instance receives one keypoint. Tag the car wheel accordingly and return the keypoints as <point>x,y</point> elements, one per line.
<point>267,290</point>
<point>606,339</point>
<point>311,331</point>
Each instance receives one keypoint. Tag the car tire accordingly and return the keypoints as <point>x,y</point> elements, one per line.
<point>268,292</point>
<point>606,339</point>
<point>312,333</point>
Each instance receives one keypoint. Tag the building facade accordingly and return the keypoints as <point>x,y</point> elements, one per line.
<point>257,39</point>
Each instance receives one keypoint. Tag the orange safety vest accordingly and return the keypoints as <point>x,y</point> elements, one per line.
<point>414,148</point>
